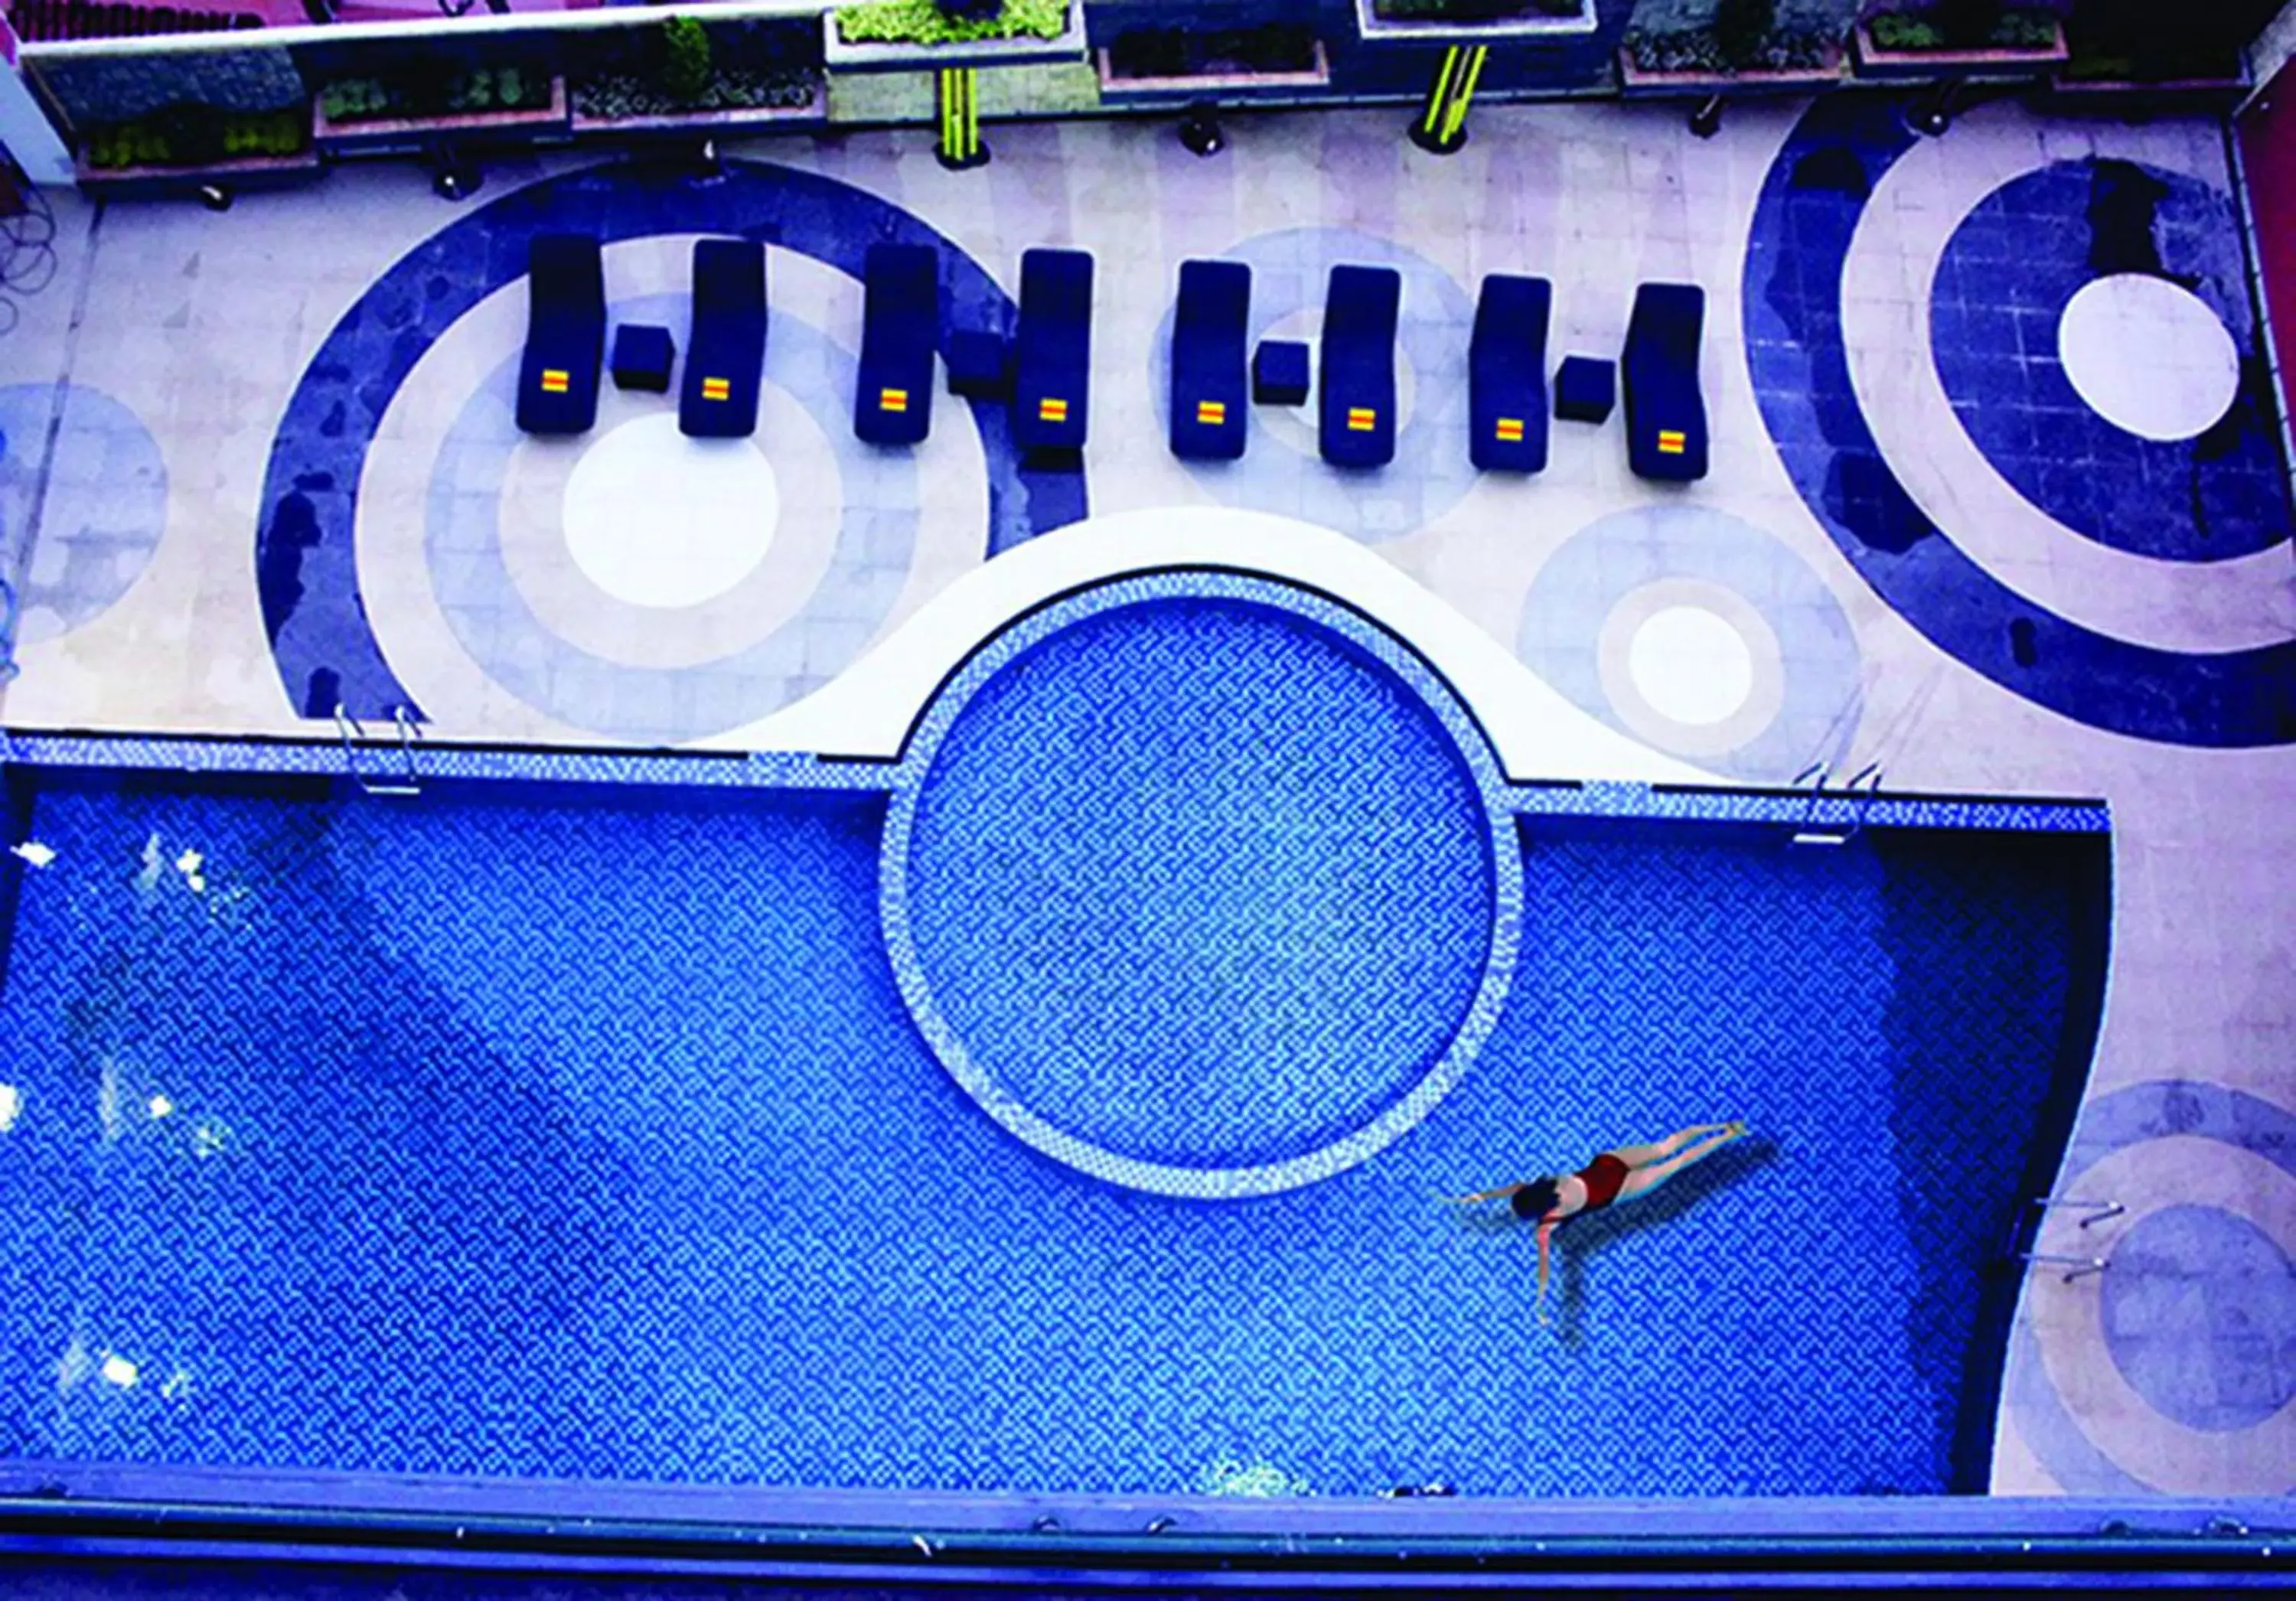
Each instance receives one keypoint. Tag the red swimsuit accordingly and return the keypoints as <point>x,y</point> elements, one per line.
<point>1602,1177</point>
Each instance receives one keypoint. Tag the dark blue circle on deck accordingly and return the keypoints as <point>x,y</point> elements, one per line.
<point>324,643</point>
<point>2199,1316</point>
<point>1798,356</point>
<point>1204,885</point>
<point>2002,286</point>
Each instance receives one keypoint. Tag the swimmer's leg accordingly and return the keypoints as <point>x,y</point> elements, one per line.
<point>1643,1181</point>
<point>1643,1156</point>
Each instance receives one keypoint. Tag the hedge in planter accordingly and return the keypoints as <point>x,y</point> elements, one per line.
<point>1964,25</point>
<point>355,100</point>
<point>2141,41</point>
<point>1470,10</point>
<point>1720,38</point>
<point>119,89</point>
<point>1152,53</point>
<point>748,66</point>
<point>923,22</point>
<point>194,136</point>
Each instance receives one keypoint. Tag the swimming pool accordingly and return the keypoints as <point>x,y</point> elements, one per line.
<point>1060,1107</point>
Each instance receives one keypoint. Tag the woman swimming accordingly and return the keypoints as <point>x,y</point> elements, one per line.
<point>1628,1171</point>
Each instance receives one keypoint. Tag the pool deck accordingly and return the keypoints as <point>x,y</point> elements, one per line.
<point>1899,477</point>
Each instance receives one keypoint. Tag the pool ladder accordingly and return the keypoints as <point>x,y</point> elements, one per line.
<point>2076,1266</point>
<point>407,780</point>
<point>1809,831</point>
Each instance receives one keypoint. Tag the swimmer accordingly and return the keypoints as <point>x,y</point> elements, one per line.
<point>1628,1171</point>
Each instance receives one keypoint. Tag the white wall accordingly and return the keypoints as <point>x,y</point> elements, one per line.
<point>25,132</point>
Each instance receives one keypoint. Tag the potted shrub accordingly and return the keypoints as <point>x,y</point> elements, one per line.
<point>188,142</point>
<point>2138,47</point>
<point>1960,36</point>
<point>1227,63</point>
<point>1733,46</point>
<point>1472,22</point>
<point>1470,10</point>
<point>420,95</point>
<point>241,111</point>
<point>908,35</point>
<point>683,73</point>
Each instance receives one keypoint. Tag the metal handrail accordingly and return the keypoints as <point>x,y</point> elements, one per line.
<point>1807,831</point>
<point>348,726</point>
<point>1869,775</point>
<point>406,738</point>
<point>2080,1267</point>
<point>2098,1210</point>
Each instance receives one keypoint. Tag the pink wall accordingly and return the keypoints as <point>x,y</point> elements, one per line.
<point>2267,149</point>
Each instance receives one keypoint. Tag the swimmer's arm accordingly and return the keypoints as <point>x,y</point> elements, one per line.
<point>1545,1230</point>
<point>1496,1194</point>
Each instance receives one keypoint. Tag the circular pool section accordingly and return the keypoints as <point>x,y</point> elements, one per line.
<point>1201,884</point>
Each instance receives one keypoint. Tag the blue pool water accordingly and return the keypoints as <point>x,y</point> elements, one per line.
<point>1210,917</point>
<point>584,1132</point>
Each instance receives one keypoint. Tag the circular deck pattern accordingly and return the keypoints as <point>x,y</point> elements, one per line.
<point>323,642</point>
<point>100,485</point>
<point>1200,893</point>
<point>1691,665</point>
<point>1817,191</point>
<point>2192,1309</point>
<point>839,553</point>
<point>1699,634</point>
<point>2192,1290</point>
<point>2086,320</point>
<point>2175,385</point>
<point>655,520</point>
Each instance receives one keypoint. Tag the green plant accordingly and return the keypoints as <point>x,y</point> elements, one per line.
<point>472,92</point>
<point>1965,25</point>
<point>196,135</point>
<point>686,58</point>
<point>921,23</point>
<point>269,134</point>
<point>355,100</point>
<point>1689,50</point>
<point>1470,10</point>
<point>1895,30</point>
<point>620,95</point>
<point>2023,30</point>
<point>1150,53</point>
<point>1742,28</point>
<point>126,88</point>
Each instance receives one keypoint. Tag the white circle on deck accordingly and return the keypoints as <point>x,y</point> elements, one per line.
<point>2148,354</point>
<point>1691,665</point>
<point>655,519</point>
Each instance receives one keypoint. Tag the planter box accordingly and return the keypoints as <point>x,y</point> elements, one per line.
<point>903,57</point>
<point>243,172</point>
<point>378,134</point>
<point>1226,87</point>
<point>2163,94</point>
<point>1638,83</point>
<point>1874,62</point>
<point>1378,30</point>
<point>732,119</point>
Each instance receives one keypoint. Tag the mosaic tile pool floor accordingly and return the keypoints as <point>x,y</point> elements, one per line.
<point>1917,547</point>
<point>355,1173</point>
